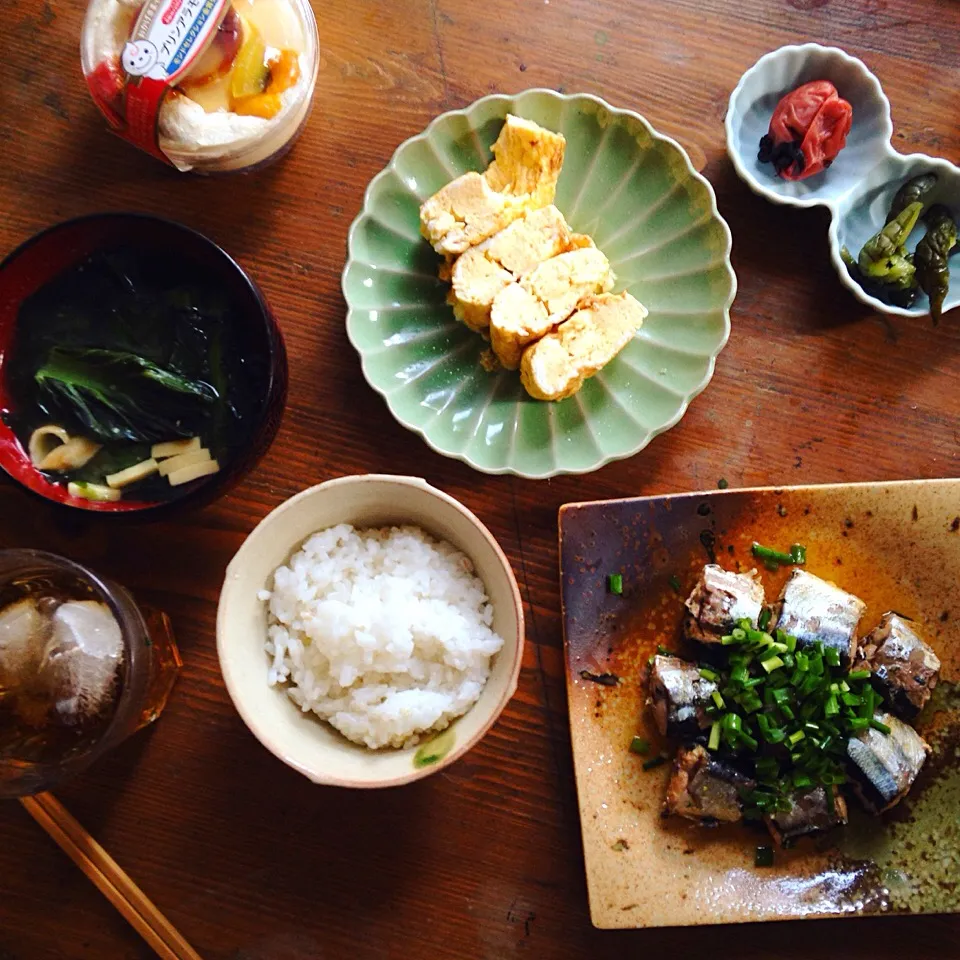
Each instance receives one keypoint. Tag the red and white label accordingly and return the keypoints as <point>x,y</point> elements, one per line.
<point>167,39</point>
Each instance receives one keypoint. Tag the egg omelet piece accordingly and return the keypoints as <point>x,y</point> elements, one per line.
<point>563,281</point>
<point>556,366</point>
<point>516,319</point>
<point>527,160</point>
<point>522,177</point>
<point>553,290</point>
<point>482,272</point>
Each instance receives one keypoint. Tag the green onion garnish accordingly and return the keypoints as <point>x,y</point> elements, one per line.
<point>763,857</point>
<point>879,725</point>
<point>717,699</point>
<point>709,674</point>
<point>771,664</point>
<point>654,762</point>
<point>768,553</point>
<point>858,675</point>
<point>795,737</point>
<point>714,742</point>
<point>764,619</point>
<point>798,554</point>
<point>675,583</point>
<point>615,583</point>
<point>640,746</point>
<point>833,656</point>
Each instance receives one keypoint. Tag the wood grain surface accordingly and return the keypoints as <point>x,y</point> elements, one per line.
<point>248,859</point>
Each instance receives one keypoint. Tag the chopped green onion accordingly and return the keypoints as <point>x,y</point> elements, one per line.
<point>858,723</point>
<point>833,656</point>
<point>739,675</point>
<point>714,742</point>
<point>663,651</point>
<point>675,583</point>
<point>654,762</point>
<point>739,634</point>
<point>746,739</point>
<point>717,699</point>
<point>763,621</point>
<point>844,686</point>
<point>708,674</point>
<point>790,641</point>
<point>879,725</point>
<point>851,699</point>
<point>768,553</point>
<point>802,780</point>
<point>763,857</point>
<point>771,664</point>
<point>787,711</point>
<point>831,707</point>
<point>640,746</point>
<point>795,737</point>
<point>858,675</point>
<point>798,553</point>
<point>615,583</point>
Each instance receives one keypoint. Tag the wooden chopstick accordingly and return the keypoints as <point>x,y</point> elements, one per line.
<point>108,877</point>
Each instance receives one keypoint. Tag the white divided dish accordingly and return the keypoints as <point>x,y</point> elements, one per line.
<point>860,184</point>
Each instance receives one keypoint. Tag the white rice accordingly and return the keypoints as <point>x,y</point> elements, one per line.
<point>386,633</point>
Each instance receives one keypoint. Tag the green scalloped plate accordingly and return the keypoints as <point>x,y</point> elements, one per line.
<point>637,194</point>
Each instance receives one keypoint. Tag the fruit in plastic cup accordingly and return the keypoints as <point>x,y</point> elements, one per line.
<point>205,135</point>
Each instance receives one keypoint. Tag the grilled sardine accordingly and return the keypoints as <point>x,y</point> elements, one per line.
<point>905,669</point>
<point>678,696</point>
<point>884,766</point>
<point>812,609</point>
<point>702,788</point>
<point>810,812</point>
<point>719,600</point>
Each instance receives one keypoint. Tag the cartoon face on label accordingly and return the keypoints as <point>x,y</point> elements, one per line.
<point>139,57</point>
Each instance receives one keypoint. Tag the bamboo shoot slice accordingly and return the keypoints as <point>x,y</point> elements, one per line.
<point>93,491</point>
<point>172,464</point>
<point>75,453</point>
<point>132,474</point>
<point>196,470</point>
<point>173,448</point>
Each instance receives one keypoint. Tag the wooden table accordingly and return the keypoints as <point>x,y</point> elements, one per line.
<point>483,861</point>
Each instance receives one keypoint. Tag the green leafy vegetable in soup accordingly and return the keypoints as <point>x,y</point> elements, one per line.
<point>133,348</point>
<point>120,396</point>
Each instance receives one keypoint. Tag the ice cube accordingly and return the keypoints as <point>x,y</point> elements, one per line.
<point>24,632</point>
<point>85,654</point>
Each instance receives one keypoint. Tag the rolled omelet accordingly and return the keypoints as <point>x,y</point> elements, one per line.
<point>556,366</point>
<point>563,281</point>
<point>522,177</point>
<point>517,319</point>
<point>481,273</point>
<point>547,295</point>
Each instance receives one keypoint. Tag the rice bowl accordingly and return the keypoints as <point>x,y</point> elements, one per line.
<point>384,633</point>
<point>301,740</point>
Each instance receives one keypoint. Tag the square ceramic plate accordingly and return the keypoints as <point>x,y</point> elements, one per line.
<point>897,546</point>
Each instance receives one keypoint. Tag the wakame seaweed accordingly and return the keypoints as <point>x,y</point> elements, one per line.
<point>131,347</point>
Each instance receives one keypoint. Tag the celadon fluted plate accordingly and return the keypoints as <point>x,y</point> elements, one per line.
<point>637,194</point>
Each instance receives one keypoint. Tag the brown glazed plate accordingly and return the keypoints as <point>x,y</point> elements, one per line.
<point>895,545</point>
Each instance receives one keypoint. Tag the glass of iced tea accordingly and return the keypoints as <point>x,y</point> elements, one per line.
<point>81,668</point>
